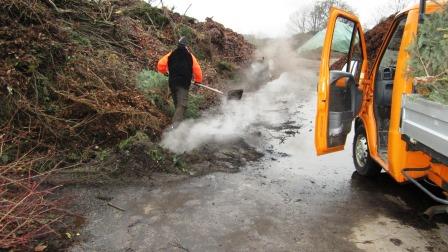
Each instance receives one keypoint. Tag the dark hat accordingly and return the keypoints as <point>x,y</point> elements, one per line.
<point>183,41</point>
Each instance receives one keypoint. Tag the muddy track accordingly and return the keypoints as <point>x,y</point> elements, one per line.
<point>286,200</point>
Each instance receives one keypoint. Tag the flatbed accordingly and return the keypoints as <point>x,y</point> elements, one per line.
<point>424,124</point>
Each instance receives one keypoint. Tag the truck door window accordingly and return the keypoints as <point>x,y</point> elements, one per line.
<point>346,52</point>
<point>389,60</point>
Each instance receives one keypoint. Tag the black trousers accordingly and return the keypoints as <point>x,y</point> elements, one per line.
<point>179,91</point>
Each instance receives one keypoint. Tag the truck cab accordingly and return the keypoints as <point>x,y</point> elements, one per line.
<point>350,91</point>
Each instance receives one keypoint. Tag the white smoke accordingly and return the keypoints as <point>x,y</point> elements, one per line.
<point>270,105</point>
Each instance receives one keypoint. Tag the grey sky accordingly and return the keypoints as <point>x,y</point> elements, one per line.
<point>266,18</point>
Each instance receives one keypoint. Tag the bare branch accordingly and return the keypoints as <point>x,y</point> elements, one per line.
<point>187,9</point>
<point>58,10</point>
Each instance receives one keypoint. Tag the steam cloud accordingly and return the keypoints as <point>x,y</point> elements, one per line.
<point>270,105</point>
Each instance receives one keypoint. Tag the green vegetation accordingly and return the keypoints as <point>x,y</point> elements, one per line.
<point>226,69</point>
<point>127,143</point>
<point>151,15</point>
<point>224,66</point>
<point>4,158</point>
<point>429,58</point>
<point>156,154</point>
<point>194,103</point>
<point>72,90</point>
<point>149,80</point>
<point>80,39</point>
<point>201,54</point>
<point>188,32</point>
<point>102,154</point>
<point>180,164</point>
<point>155,87</point>
<point>199,46</point>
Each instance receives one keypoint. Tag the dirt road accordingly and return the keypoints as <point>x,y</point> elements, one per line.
<point>290,200</point>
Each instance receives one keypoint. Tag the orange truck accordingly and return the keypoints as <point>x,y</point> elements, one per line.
<point>409,141</point>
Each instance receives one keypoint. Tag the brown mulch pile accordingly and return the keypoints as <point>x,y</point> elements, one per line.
<point>68,89</point>
<point>67,75</point>
<point>374,39</point>
<point>231,46</point>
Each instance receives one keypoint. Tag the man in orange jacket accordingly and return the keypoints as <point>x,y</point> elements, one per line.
<point>182,66</point>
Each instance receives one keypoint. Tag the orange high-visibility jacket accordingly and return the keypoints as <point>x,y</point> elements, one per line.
<point>162,67</point>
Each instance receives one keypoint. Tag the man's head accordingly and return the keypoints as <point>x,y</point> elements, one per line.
<point>183,42</point>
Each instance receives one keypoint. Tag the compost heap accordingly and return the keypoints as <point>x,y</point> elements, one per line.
<point>72,82</point>
<point>68,71</point>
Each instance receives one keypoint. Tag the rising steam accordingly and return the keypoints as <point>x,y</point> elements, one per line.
<point>270,105</point>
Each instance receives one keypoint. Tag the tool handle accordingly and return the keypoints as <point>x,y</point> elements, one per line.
<point>209,88</point>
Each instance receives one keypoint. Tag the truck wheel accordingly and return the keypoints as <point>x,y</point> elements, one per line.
<point>364,163</point>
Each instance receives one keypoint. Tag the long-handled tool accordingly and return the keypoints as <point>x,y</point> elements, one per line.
<point>231,95</point>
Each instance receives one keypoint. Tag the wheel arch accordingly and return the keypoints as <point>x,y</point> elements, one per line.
<point>370,167</point>
<point>371,138</point>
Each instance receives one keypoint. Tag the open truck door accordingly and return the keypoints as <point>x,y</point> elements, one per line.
<point>342,70</point>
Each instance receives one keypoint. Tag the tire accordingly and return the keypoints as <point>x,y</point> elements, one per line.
<point>364,164</point>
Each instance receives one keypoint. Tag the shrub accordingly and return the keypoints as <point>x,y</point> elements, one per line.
<point>148,80</point>
<point>155,87</point>
<point>194,102</point>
